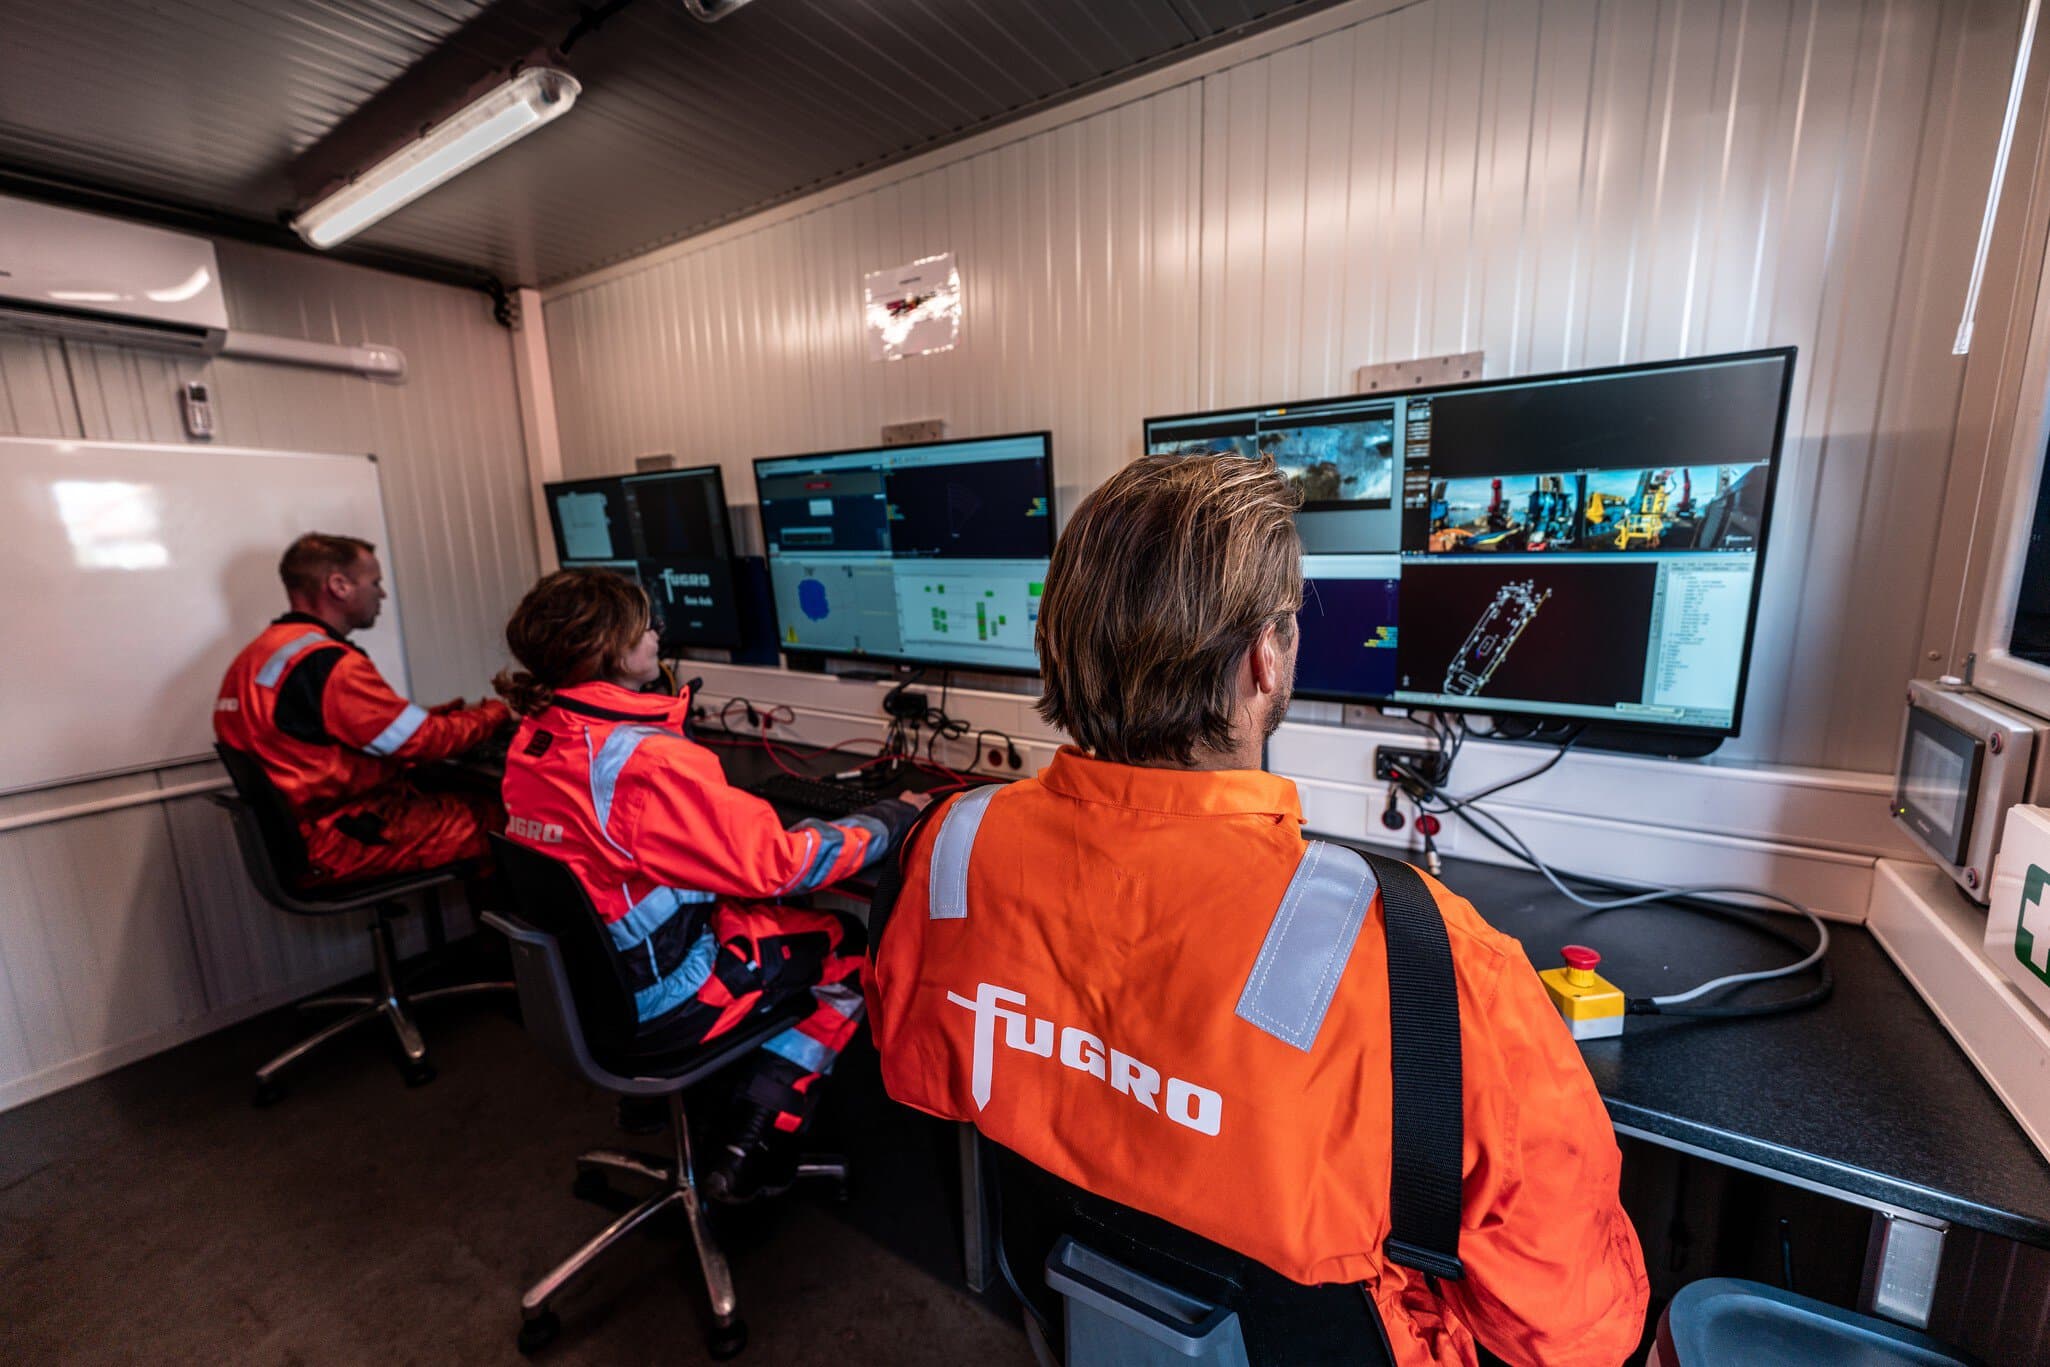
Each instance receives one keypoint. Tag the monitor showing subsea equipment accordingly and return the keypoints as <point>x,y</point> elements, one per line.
<point>934,553</point>
<point>1582,546</point>
<point>668,532</point>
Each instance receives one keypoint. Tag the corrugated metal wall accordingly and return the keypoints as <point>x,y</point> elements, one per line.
<point>119,930</point>
<point>1561,184</point>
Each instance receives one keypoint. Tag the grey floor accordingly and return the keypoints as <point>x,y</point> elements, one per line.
<point>154,1216</point>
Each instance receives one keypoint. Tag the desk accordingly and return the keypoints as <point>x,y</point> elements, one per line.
<point>1864,1098</point>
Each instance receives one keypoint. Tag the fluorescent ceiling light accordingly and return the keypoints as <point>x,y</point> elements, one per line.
<point>498,119</point>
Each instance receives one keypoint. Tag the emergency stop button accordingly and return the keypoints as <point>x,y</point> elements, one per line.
<point>1591,1006</point>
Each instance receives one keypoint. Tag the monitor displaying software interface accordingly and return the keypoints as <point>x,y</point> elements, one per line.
<point>934,553</point>
<point>1583,546</point>
<point>666,531</point>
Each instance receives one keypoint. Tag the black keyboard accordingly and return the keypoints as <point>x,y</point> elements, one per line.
<point>814,794</point>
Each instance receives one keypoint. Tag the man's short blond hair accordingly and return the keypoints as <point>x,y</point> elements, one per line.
<point>1162,581</point>
<point>308,561</point>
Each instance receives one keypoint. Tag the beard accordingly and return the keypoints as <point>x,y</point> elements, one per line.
<point>1277,713</point>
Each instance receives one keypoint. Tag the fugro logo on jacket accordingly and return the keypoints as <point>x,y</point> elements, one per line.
<point>1186,1104</point>
<point>548,833</point>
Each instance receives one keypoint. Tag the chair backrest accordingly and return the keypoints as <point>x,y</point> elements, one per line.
<point>271,844</point>
<point>545,894</point>
<point>1164,1284</point>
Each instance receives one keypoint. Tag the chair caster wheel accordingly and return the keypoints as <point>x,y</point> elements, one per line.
<point>591,1185</point>
<point>726,1340</point>
<point>417,1074</point>
<point>267,1095</point>
<point>538,1332</point>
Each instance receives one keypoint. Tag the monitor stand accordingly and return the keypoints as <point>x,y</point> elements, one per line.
<point>1625,740</point>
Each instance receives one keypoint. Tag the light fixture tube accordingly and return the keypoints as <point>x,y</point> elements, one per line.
<point>495,120</point>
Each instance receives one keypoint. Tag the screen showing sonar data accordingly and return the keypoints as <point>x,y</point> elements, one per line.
<point>934,553</point>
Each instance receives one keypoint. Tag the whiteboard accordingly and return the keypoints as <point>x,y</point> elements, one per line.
<point>130,576</point>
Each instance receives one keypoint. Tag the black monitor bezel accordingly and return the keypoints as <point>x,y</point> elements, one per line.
<point>1788,354</point>
<point>550,489</point>
<point>814,653</point>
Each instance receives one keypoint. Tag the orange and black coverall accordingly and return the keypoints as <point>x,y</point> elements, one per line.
<point>1147,982</point>
<point>337,741</point>
<point>686,872</point>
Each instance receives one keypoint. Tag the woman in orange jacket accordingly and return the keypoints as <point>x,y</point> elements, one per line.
<point>686,871</point>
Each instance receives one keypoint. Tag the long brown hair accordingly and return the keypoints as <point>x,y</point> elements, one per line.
<point>1162,581</point>
<point>572,627</point>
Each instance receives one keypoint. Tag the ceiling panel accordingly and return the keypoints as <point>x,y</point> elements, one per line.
<point>242,107</point>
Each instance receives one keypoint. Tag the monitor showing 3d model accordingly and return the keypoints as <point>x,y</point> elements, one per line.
<point>669,532</point>
<point>933,553</point>
<point>1583,546</point>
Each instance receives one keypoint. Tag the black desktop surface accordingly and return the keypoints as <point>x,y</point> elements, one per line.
<point>1865,1095</point>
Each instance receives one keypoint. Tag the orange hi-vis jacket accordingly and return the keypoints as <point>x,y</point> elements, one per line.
<point>333,736</point>
<point>1125,976</point>
<point>606,781</point>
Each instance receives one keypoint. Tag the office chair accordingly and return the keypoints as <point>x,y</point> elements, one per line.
<point>1105,1284</point>
<point>1726,1319</point>
<point>579,1008</point>
<point>275,855</point>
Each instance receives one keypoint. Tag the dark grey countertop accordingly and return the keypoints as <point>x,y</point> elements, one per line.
<point>1864,1094</point>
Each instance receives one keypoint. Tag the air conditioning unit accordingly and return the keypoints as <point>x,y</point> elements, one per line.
<point>69,274</point>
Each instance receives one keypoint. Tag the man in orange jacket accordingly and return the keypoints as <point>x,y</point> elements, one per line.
<point>337,742</point>
<point>1133,971</point>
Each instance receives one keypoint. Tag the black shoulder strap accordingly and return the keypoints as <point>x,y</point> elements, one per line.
<point>1423,1018</point>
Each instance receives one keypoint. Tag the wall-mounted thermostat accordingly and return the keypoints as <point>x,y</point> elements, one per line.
<point>199,411</point>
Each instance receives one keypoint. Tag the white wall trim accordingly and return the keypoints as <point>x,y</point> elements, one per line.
<point>1195,68</point>
<point>1810,834</point>
<point>1936,939</point>
<point>110,804</point>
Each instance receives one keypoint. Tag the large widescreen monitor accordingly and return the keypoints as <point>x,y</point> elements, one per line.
<point>667,531</point>
<point>1582,546</point>
<point>931,554</point>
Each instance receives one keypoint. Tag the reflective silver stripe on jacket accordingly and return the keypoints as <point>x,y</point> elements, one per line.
<point>947,900</point>
<point>1308,944</point>
<point>401,730</point>
<point>274,668</point>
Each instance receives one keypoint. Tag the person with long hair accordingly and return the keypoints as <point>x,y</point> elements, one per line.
<point>1135,972</point>
<point>687,872</point>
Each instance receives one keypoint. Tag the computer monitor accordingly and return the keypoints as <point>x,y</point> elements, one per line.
<point>932,553</point>
<point>668,532</point>
<point>1580,547</point>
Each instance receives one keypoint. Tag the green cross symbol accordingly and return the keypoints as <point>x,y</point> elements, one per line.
<point>2030,946</point>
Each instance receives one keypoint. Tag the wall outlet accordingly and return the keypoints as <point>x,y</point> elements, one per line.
<point>905,433</point>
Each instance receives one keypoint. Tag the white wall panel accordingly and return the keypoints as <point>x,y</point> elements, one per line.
<point>35,389</point>
<point>126,930</point>
<point>1563,184</point>
<point>94,948</point>
<point>1078,252</point>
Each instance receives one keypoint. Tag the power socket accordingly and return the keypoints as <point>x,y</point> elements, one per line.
<point>1387,758</point>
